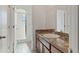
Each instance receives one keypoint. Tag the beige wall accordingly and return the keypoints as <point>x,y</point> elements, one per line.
<point>74,28</point>
<point>45,17</point>
<point>39,16</point>
<point>51,17</point>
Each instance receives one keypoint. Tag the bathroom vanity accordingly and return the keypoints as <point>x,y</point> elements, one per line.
<point>49,41</point>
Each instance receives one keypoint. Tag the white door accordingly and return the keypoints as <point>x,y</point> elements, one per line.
<point>3,29</point>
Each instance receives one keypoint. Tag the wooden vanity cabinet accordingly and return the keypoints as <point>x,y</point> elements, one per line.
<point>40,45</point>
<point>43,45</point>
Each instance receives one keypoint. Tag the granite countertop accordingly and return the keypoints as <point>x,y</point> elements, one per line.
<point>52,39</point>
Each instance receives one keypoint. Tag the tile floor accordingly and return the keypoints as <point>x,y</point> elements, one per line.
<point>22,48</point>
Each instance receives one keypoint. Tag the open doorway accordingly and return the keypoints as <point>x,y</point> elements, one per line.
<point>22,29</point>
<point>20,20</point>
